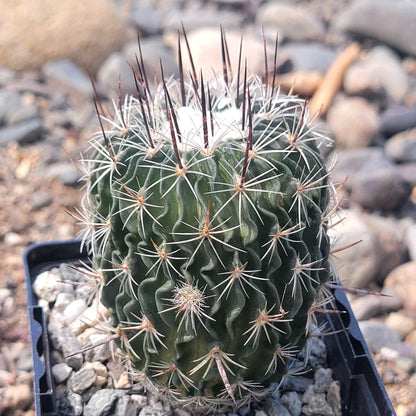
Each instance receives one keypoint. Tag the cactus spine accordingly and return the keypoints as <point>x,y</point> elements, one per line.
<point>206,212</point>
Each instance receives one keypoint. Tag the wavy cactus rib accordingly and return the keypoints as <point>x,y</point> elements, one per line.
<point>206,212</point>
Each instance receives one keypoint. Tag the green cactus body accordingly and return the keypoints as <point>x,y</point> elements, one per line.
<point>207,207</point>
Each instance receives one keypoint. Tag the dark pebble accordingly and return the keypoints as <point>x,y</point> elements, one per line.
<point>402,147</point>
<point>380,188</point>
<point>101,403</point>
<point>66,172</point>
<point>25,132</point>
<point>10,102</point>
<point>397,119</point>
<point>67,74</point>
<point>408,172</point>
<point>70,404</point>
<point>296,383</point>
<point>145,19</point>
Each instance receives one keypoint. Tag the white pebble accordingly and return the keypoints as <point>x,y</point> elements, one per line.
<point>48,286</point>
<point>13,239</point>
<point>74,310</point>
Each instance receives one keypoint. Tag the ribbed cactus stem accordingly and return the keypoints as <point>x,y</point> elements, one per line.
<point>206,211</point>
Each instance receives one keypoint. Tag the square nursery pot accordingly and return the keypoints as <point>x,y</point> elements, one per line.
<point>362,391</point>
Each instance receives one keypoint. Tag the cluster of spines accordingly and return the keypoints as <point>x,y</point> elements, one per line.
<point>145,114</point>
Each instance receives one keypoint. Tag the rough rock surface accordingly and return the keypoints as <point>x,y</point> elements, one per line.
<point>33,32</point>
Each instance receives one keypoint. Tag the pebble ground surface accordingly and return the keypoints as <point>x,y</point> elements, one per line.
<point>47,116</point>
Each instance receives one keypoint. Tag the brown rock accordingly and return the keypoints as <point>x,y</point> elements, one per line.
<point>357,266</point>
<point>390,236</point>
<point>401,323</point>
<point>34,32</point>
<point>18,396</point>
<point>403,279</point>
<point>411,338</point>
<point>354,122</point>
<point>304,83</point>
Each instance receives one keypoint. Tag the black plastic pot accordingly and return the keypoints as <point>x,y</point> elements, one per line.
<point>362,391</point>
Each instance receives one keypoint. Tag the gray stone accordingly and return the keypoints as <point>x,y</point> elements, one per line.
<point>23,109</point>
<point>358,265</point>
<point>351,161</point>
<point>323,379</point>
<point>293,22</point>
<point>183,412</point>
<point>244,411</point>
<point>64,340</point>
<point>397,118</point>
<point>260,413</point>
<point>66,172</point>
<point>389,234</point>
<point>307,56</point>
<point>25,361</point>
<point>391,301</point>
<point>273,407</point>
<point>102,403</point>
<point>154,411</point>
<point>70,404</point>
<point>71,275</point>
<point>354,122</point>
<point>315,352</point>
<point>316,404</point>
<point>7,75</point>
<point>82,380</point>
<point>292,402</point>
<point>27,131</point>
<point>113,69</point>
<point>380,188</point>
<point>297,383</point>
<point>126,405</point>
<point>408,172</point>
<point>378,335</point>
<point>368,306</point>
<point>102,351</point>
<point>40,200</point>
<point>10,102</point>
<point>145,19</point>
<point>382,20</point>
<point>66,74</point>
<point>85,292</point>
<point>117,66</point>
<point>318,407</point>
<point>61,372</point>
<point>402,147</point>
<point>154,51</point>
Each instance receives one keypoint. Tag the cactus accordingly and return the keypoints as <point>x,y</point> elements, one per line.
<point>206,212</point>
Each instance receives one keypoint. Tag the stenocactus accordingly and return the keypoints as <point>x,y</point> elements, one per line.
<point>206,212</point>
